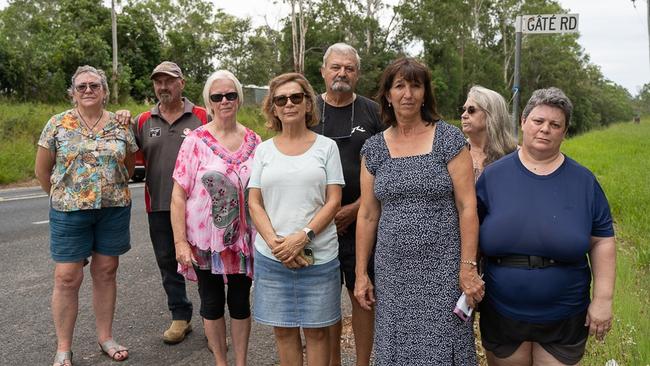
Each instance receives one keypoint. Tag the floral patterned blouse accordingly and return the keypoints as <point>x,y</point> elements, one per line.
<point>217,223</point>
<point>89,171</point>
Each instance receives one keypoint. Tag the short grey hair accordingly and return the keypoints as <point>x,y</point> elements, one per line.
<point>92,70</point>
<point>344,49</point>
<point>221,75</point>
<point>552,97</point>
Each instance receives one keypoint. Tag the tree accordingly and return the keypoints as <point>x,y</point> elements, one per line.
<point>298,32</point>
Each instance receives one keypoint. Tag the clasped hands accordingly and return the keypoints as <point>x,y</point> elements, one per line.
<point>288,250</point>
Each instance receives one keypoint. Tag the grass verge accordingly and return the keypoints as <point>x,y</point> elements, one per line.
<point>616,156</point>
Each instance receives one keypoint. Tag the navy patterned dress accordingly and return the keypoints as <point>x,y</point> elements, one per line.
<point>417,256</point>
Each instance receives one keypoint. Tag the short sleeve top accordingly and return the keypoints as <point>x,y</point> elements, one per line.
<point>214,180</point>
<point>294,189</point>
<point>552,216</point>
<point>89,170</point>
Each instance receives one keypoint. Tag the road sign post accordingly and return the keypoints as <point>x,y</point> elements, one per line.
<point>536,24</point>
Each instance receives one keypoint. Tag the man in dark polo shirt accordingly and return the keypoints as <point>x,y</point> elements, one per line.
<point>349,119</point>
<point>160,133</point>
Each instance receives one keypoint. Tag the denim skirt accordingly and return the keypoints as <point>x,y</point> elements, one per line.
<point>308,297</point>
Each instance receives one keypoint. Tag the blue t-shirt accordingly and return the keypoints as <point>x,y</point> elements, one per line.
<point>552,216</point>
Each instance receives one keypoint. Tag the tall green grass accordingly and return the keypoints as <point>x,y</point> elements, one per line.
<point>21,125</point>
<point>616,156</point>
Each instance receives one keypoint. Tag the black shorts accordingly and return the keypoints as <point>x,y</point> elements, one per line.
<point>564,339</point>
<point>347,257</point>
<point>212,291</point>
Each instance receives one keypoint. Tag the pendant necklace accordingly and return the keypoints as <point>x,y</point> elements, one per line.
<point>91,129</point>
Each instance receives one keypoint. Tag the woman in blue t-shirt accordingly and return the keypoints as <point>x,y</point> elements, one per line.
<point>542,214</point>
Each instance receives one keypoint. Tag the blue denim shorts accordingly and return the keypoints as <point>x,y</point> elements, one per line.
<point>75,235</point>
<point>308,297</point>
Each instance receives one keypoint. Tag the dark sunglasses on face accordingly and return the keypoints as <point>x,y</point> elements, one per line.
<point>219,97</point>
<point>470,110</point>
<point>281,100</point>
<point>81,88</point>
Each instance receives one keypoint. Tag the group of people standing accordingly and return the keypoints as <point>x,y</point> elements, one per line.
<point>381,196</point>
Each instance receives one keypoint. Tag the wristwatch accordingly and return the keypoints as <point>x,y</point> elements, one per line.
<point>310,233</point>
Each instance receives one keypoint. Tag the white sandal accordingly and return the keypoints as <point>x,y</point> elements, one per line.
<point>63,358</point>
<point>111,345</point>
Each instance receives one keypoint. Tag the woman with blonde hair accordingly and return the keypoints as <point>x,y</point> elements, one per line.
<point>212,233</point>
<point>486,123</point>
<point>295,191</point>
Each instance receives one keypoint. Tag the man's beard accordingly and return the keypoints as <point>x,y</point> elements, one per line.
<point>340,85</point>
<point>165,97</point>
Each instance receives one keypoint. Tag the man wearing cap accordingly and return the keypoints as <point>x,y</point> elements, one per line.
<point>349,119</point>
<point>159,134</point>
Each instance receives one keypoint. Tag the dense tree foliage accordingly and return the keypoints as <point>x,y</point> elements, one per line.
<point>464,42</point>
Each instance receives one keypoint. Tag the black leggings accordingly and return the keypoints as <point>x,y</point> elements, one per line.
<point>213,297</point>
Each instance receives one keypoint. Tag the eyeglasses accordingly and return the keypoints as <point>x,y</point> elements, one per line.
<point>81,88</point>
<point>281,100</point>
<point>470,110</point>
<point>216,98</point>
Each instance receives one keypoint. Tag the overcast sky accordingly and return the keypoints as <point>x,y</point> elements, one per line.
<point>613,32</point>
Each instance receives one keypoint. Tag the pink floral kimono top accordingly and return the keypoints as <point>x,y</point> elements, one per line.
<point>217,223</point>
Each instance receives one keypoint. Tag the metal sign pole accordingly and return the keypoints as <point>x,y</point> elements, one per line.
<point>515,84</point>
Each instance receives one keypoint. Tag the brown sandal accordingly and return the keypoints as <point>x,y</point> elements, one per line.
<point>114,350</point>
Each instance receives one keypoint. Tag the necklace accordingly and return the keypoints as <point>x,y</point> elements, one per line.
<point>91,129</point>
<point>322,118</point>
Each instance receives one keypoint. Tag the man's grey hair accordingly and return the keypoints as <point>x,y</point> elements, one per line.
<point>342,48</point>
<point>552,97</point>
<point>90,69</point>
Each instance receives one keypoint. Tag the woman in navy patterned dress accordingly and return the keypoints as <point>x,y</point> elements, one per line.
<point>417,197</point>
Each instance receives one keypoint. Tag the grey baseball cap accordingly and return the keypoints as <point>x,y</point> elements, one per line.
<point>169,68</point>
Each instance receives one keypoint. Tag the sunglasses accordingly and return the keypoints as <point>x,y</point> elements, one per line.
<point>219,97</point>
<point>81,88</point>
<point>281,100</point>
<point>470,110</point>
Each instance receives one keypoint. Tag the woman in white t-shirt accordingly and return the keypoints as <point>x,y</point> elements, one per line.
<point>294,193</point>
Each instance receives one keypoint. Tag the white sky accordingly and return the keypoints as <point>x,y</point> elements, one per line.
<point>613,32</point>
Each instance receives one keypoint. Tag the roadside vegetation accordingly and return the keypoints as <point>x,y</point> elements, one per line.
<point>615,155</point>
<point>42,42</point>
<point>21,125</point>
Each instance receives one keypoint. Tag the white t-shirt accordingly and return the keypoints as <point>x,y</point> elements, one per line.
<point>294,189</point>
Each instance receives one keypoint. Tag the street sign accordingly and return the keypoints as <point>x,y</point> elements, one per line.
<point>548,23</point>
<point>540,24</point>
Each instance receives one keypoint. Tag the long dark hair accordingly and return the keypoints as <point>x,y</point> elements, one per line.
<point>410,70</point>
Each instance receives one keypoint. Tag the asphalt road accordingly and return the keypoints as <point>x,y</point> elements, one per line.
<point>26,328</point>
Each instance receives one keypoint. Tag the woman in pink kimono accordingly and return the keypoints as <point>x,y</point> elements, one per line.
<point>212,233</point>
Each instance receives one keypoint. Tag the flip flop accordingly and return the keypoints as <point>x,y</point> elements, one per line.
<point>112,349</point>
<point>63,358</point>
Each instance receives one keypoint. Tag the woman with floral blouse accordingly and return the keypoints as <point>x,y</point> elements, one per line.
<point>84,161</point>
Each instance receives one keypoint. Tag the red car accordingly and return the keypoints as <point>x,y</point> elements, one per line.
<point>139,173</point>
